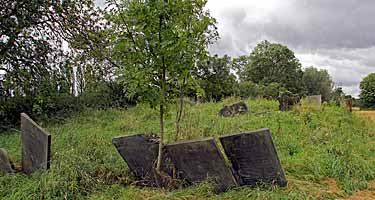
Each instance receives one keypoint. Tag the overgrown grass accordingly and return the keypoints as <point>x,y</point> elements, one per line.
<point>314,144</point>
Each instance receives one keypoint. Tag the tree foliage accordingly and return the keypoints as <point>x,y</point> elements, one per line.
<point>367,87</point>
<point>317,82</point>
<point>274,63</point>
<point>337,96</point>
<point>34,41</point>
<point>215,78</point>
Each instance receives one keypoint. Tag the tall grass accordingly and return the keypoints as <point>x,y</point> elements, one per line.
<point>314,144</point>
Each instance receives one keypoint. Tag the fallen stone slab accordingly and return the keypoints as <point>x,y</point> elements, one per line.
<point>140,152</point>
<point>234,109</point>
<point>200,160</point>
<point>254,158</point>
<point>36,146</point>
<point>6,165</point>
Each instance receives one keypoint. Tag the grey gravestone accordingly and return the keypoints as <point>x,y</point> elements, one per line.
<point>200,160</point>
<point>254,158</point>
<point>140,152</point>
<point>287,100</point>
<point>234,109</point>
<point>5,162</point>
<point>315,99</point>
<point>36,146</point>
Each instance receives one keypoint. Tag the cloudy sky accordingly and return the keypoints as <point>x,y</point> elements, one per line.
<point>337,35</point>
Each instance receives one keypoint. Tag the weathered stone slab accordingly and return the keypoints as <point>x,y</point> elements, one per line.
<point>140,152</point>
<point>36,146</point>
<point>287,100</point>
<point>234,109</point>
<point>200,160</point>
<point>5,162</point>
<point>254,158</point>
<point>314,99</point>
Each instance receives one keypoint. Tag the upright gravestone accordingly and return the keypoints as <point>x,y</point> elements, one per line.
<point>140,152</point>
<point>315,99</point>
<point>36,146</point>
<point>200,160</point>
<point>254,158</point>
<point>5,162</point>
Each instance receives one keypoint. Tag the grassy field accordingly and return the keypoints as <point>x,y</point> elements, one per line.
<point>326,152</point>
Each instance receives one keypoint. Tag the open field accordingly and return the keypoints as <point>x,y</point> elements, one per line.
<point>327,153</point>
<point>370,115</point>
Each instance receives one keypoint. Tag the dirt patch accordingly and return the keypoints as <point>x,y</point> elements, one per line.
<point>362,195</point>
<point>370,115</point>
<point>333,187</point>
<point>365,194</point>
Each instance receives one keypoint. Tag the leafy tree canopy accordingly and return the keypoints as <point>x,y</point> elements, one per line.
<point>274,63</point>
<point>216,79</point>
<point>317,82</point>
<point>32,39</point>
<point>367,87</point>
<point>157,44</point>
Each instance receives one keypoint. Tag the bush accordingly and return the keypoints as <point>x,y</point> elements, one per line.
<point>58,106</point>
<point>271,91</point>
<point>367,95</point>
<point>247,89</point>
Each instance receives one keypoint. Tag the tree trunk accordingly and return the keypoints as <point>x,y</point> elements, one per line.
<point>161,143</point>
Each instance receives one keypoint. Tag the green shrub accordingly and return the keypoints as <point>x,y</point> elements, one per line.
<point>54,107</point>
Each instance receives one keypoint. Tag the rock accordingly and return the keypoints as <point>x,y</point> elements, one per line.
<point>287,100</point>
<point>225,112</point>
<point>6,165</point>
<point>234,109</point>
<point>36,146</point>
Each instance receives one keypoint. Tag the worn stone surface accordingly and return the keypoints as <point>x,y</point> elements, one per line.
<point>200,160</point>
<point>254,158</point>
<point>6,165</point>
<point>140,152</point>
<point>36,146</point>
<point>314,99</point>
<point>234,109</point>
<point>287,100</point>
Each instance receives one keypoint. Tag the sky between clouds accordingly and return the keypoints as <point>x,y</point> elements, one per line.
<point>337,35</point>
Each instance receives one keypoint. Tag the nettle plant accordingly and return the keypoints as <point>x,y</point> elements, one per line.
<point>157,43</point>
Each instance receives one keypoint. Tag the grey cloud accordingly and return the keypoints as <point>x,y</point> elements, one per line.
<point>335,35</point>
<point>325,24</point>
<point>308,24</point>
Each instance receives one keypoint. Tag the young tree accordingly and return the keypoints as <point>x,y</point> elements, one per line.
<point>367,95</point>
<point>274,63</point>
<point>317,82</point>
<point>157,43</point>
